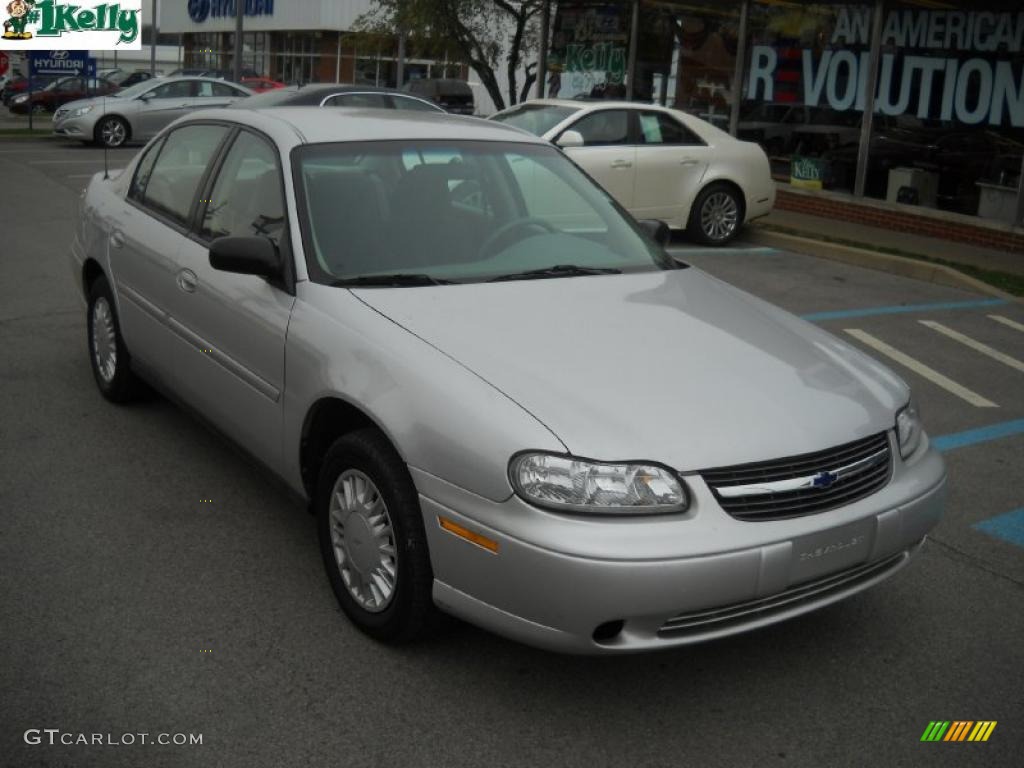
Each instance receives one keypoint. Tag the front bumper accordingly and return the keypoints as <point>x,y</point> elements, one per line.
<point>74,128</point>
<point>555,580</point>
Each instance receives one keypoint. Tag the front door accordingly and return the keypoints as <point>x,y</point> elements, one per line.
<point>161,106</point>
<point>607,153</point>
<point>232,368</point>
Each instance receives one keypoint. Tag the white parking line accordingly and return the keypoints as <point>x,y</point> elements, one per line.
<point>94,161</point>
<point>1007,321</point>
<point>974,344</point>
<point>921,369</point>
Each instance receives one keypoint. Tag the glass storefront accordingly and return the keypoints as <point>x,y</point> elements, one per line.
<point>947,131</point>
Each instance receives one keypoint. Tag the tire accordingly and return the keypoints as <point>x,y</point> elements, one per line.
<point>112,132</point>
<point>111,363</point>
<point>360,538</point>
<point>717,214</point>
<point>39,109</point>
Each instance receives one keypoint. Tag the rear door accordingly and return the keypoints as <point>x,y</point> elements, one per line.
<point>232,364</point>
<point>146,236</point>
<point>607,153</point>
<point>671,160</point>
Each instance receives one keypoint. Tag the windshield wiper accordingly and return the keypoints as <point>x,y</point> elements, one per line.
<point>394,279</point>
<point>559,270</point>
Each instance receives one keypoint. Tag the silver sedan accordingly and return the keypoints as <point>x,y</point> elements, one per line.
<point>499,395</point>
<point>139,112</point>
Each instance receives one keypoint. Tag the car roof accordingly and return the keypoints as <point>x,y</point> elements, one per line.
<point>314,94</point>
<point>312,125</point>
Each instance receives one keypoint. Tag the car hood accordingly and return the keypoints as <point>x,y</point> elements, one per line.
<point>675,366</point>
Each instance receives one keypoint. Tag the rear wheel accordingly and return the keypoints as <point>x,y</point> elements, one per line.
<point>372,539</point>
<point>111,132</point>
<point>111,365</point>
<point>717,214</point>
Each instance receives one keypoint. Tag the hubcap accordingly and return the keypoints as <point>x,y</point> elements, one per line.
<point>363,540</point>
<point>104,339</point>
<point>113,133</point>
<point>719,215</point>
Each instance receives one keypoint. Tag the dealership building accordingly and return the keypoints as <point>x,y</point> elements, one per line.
<point>943,83</point>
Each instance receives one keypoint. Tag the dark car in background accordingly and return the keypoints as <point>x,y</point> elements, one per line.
<point>60,92</point>
<point>453,96</point>
<point>20,85</point>
<point>339,96</point>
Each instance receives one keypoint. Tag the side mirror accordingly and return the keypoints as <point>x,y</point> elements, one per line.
<point>570,139</point>
<point>657,230</point>
<point>146,96</point>
<point>246,256</point>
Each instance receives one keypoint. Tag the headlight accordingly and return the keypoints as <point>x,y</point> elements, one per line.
<point>569,484</point>
<point>81,111</point>
<point>908,429</point>
<point>21,97</point>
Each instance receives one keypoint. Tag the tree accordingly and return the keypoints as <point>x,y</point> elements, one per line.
<point>479,32</point>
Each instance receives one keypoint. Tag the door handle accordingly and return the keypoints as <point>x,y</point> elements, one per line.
<point>188,281</point>
<point>117,239</point>
<point>688,161</point>
<point>621,164</point>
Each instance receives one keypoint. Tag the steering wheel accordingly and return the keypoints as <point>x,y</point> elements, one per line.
<point>505,235</point>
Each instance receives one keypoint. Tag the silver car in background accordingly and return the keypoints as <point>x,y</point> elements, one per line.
<point>498,393</point>
<point>139,112</point>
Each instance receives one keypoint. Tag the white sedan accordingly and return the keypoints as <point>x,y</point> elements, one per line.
<point>658,163</point>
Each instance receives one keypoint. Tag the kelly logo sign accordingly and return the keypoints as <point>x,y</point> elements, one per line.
<point>81,26</point>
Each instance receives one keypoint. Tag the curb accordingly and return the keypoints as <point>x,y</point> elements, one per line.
<point>938,274</point>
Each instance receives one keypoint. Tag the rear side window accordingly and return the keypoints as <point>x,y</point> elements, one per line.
<point>246,199</point>
<point>176,174</point>
<point>143,171</point>
<point>659,128</point>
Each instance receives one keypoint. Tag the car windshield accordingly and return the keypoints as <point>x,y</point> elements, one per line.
<point>538,119</point>
<point>135,90</point>
<point>424,212</point>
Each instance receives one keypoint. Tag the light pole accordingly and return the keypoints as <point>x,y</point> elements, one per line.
<point>239,13</point>
<point>155,31</point>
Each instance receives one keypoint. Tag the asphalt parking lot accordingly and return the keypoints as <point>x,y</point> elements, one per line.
<point>128,605</point>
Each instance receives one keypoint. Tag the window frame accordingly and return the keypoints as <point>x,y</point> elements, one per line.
<point>174,223</point>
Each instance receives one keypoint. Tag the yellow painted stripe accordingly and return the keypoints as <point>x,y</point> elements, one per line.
<point>921,369</point>
<point>978,728</point>
<point>988,731</point>
<point>471,536</point>
<point>1007,322</point>
<point>974,344</point>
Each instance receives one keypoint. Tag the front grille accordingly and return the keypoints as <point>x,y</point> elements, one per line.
<point>699,622</point>
<point>804,484</point>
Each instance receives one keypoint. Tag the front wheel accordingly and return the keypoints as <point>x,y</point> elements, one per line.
<point>717,215</point>
<point>111,132</point>
<point>372,539</point>
<point>111,365</point>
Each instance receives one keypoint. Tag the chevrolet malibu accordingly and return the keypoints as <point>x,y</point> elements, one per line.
<point>499,395</point>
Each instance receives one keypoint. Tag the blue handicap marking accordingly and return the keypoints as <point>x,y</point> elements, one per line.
<point>1008,527</point>
<point>945,443</point>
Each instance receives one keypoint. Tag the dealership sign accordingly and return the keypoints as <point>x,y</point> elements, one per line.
<point>200,10</point>
<point>971,89</point>
<point>61,63</point>
<point>85,25</point>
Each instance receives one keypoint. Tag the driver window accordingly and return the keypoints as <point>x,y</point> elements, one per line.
<point>179,90</point>
<point>246,199</point>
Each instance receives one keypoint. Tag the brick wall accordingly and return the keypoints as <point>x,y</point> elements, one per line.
<point>1004,239</point>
